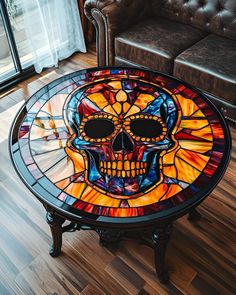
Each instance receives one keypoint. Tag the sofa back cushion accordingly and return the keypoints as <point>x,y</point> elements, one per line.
<point>213,16</point>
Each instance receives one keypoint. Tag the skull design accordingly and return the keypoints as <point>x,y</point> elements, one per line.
<point>122,126</point>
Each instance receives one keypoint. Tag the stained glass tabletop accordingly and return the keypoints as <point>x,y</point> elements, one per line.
<point>120,146</point>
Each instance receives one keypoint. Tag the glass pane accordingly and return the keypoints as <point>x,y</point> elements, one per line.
<point>7,68</point>
<point>15,12</point>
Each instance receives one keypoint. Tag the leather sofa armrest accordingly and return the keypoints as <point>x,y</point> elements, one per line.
<point>111,17</point>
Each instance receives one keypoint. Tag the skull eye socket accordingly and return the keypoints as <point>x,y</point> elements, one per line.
<point>146,128</point>
<point>99,128</point>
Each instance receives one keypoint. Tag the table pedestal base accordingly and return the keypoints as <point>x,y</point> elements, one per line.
<point>156,238</point>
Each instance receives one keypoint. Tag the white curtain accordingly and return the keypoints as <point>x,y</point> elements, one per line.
<point>53,29</point>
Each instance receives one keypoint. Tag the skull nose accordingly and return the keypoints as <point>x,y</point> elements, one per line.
<point>122,142</point>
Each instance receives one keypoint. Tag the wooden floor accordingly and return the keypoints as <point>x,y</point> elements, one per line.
<point>201,257</point>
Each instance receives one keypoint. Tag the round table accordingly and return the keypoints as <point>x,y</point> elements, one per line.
<point>120,151</point>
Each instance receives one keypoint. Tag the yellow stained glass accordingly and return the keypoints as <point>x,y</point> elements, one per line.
<point>98,99</point>
<point>133,110</point>
<point>63,183</point>
<point>78,160</point>
<point>188,106</point>
<point>143,100</point>
<point>121,96</point>
<point>115,84</point>
<point>193,124</point>
<point>76,189</point>
<point>117,107</point>
<point>121,143</point>
<point>205,133</point>
<point>169,158</point>
<point>196,146</point>
<point>126,107</point>
<point>195,159</point>
<point>170,171</point>
<point>173,190</point>
<point>92,196</point>
<point>109,109</point>
<point>151,197</point>
<point>185,172</point>
<point>198,113</point>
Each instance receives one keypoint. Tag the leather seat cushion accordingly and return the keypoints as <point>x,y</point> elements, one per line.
<point>155,43</point>
<point>210,65</point>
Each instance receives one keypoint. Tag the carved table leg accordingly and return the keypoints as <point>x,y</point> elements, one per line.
<point>161,238</point>
<point>55,222</point>
<point>194,215</point>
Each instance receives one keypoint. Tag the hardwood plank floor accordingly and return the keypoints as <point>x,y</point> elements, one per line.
<point>201,256</point>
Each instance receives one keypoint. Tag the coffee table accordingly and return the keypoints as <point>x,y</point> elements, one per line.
<point>122,151</point>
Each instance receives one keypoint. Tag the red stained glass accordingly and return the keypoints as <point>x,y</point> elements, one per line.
<point>91,140</point>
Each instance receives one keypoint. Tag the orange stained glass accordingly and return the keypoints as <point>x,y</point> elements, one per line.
<point>120,143</point>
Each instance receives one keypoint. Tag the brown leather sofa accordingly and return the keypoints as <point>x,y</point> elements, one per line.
<point>193,40</point>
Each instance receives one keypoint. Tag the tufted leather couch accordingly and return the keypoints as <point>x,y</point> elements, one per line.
<point>193,40</point>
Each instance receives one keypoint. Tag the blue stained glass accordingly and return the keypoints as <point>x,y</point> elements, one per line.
<point>70,200</point>
<point>73,102</point>
<point>94,174</point>
<point>79,143</point>
<point>154,107</point>
<point>137,168</point>
<point>129,85</point>
<point>119,71</point>
<point>79,95</point>
<point>146,182</point>
<point>28,119</point>
<point>77,119</point>
<point>101,183</point>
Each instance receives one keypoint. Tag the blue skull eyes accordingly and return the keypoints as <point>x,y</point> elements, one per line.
<point>99,128</point>
<point>146,128</point>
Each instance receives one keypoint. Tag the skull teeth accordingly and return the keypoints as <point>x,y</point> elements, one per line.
<point>123,169</point>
